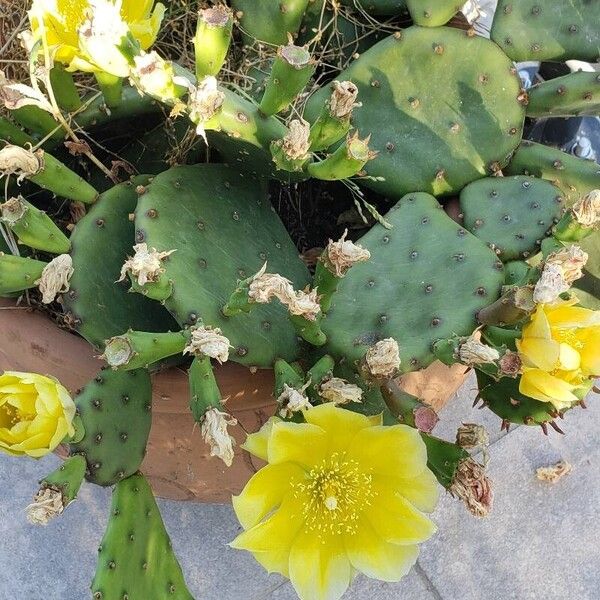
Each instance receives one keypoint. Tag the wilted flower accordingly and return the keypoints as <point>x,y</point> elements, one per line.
<point>550,285</point>
<point>292,400</point>
<point>383,359</point>
<point>570,261</point>
<point>341,255</point>
<point>208,341</point>
<point>341,494</point>
<point>18,161</point>
<point>296,144</point>
<point>215,434</point>
<point>343,99</point>
<point>145,265</point>
<point>472,486</point>
<point>340,392</point>
<point>55,278</point>
<point>587,209</point>
<point>36,414</point>
<point>474,352</point>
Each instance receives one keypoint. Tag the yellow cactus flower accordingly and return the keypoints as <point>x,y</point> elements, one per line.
<point>341,493</point>
<point>36,413</point>
<point>560,351</point>
<point>60,21</point>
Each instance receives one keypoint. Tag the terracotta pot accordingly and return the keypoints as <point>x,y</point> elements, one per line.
<point>177,462</point>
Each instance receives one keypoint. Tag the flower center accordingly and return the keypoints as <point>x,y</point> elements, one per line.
<point>9,415</point>
<point>567,336</point>
<point>334,494</point>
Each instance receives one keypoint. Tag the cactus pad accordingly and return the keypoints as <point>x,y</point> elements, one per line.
<point>568,96</point>
<point>433,13</point>
<point>426,279</point>
<point>98,308</point>
<point>448,111</point>
<point>135,558</point>
<point>511,214</point>
<point>226,230</point>
<point>115,411</point>
<point>534,30</point>
<point>574,176</point>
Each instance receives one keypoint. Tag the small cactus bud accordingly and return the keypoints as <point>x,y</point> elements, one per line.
<point>341,255</point>
<point>473,352</point>
<point>18,161</point>
<point>343,99</point>
<point>473,487</point>
<point>292,400</point>
<point>510,364</point>
<point>55,278</point>
<point>13,210</point>
<point>208,341</point>
<point>266,286</point>
<point>383,359</point>
<point>215,434</point>
<point>296,144</point>
<point>587,209</point>
<point>340,392</point>
<point>570,261</point>
<point>471,435</point>
<point>47,504</point>
<point>145,265</point>
<point>550,285</point>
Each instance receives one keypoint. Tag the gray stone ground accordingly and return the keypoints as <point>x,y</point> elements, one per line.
<point>540,543</point>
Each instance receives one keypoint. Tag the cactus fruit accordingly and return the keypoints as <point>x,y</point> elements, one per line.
<point>115,412</point>
<point>135,558</point>
<point>212,39</point>
<point>533,30</point>
<point>64,89</point>
<point>417,268</point>
<point>573,175</point>
<point>441,96</point>
<point>18,273</point>
<point>433,13</point>
<point>511,214</point>
<point>226,231</point>
<point>96,306</point>
<point>572,95</point>
<point>11,134</point>
<point>268,21</point>
<point>33,227</point>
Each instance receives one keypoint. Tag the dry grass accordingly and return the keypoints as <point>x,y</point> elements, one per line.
<point>13,19</point>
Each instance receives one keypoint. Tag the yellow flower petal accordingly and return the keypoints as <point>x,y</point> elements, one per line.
<point>396,450</point>
<point>264,492</point>
<point>300,443</point>
<point>341,425</point>
<point>573,316</point>
<point>539,326</point>
<point>539,352</point>
<point>319,570</point>
<point>258,443</point>
<point>569,358</point>
<point>377,558</point>
<point>590,351</point>
<point>540,385</point>
<point>422,491</point>
<point>396,520</point>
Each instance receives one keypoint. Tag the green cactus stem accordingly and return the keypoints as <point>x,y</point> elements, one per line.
<point>67,478</point>
<point>47,172</point>
<point>408,409</point>
<point>239,302</point>
<point>64,89</point>
<point>333,122</point>
<point>443,458</point>
<point>292,152</point>
<point>309,330</point>
<point>291,70</point>
<point>18,273</point>
<point>140,349</point>
<point>513,306</point>
<point>572,95</point>
<point>348,160</point>
<point>33,227</point>
<point>286,374</point>
<point>269,21</point>
<point>204,389</point>
<point>39,122</point>
<point>111,87</point>
<point>581,220</point>
<point>11,134</point>
<point>212,39</point>
<point>317,374</point>
<point>135,558</point>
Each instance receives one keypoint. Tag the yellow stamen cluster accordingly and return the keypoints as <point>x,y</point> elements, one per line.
<point>335,492</point>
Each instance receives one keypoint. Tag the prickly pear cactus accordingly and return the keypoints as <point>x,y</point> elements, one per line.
<point>97,306</point>
<point>426,279</point>
<point>511,214</point>
<point>135,558</point>
<point>226,230</point>
<point>449,109</point>
<point>115,411</point>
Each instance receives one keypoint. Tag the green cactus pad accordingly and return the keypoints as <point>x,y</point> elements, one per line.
<point>226,230</point>
<point>534,30</point>
<point>516,272</point>
<point>511,214</point>
<point>569,96</point>
<point>574,176</point>
<point>376,7</point>
<point>135,558</point>
<point>426,279</point>
<point>433,13</point>
<point>97,307</point>
<point>442,109</point>
<point>115,411</point>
